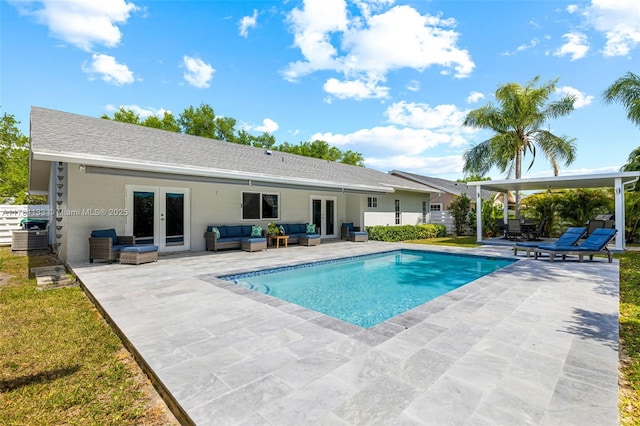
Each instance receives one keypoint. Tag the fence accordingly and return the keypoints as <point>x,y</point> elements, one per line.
<point>444,218</point>
<point>10,217</point>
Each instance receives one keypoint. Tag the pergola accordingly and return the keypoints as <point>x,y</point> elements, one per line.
<point>618,181</point>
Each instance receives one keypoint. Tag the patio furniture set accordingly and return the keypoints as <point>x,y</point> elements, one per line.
<point>105,244</point>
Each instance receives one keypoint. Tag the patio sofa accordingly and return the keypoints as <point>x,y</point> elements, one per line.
<point>234,237</point>
<point>298,234</point>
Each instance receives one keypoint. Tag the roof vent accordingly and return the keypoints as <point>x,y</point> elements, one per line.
<point>267,152</point>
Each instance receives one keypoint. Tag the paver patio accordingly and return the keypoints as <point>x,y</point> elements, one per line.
<point>534,343</point>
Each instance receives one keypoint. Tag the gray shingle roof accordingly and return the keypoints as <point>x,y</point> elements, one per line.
<point>452,187</point>
<point>62,136</point>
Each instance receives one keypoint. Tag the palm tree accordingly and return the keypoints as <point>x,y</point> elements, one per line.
<point>626,90</point>
<point>517,122</point>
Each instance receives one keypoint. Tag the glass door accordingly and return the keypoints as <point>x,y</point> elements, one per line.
<point>160,216</point>
<point>323,214</point>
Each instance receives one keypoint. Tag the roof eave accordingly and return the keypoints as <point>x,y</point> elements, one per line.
<point>99,161</point>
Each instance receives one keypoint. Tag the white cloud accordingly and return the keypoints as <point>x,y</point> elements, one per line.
<point>421,165</point>
<point>355,89</point>
<point>414,128</point>
<point>142,112</point>
<point>421,116</point>
<point>82,23</point>
<point>619,21</point>
<point>268,126</point>
<point>109,70</point>
<point>577,46</point>
<point>572,8</point>
<point>413,86</point>
<point>532,43</point>
<point>364,47</point>
<point>198,73</point>
<point>474,97</point>
<point>582,99</point>
<point>248,22</point>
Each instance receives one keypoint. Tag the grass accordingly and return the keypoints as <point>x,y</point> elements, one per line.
<point>629,338</point>
<point>449,241</point>
<point>60,363</point>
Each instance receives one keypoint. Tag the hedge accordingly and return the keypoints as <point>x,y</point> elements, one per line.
<point>406,232</point>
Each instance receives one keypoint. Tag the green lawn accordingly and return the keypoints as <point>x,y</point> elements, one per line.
<point>630,338</point>
<point>60,363</point>
<point>449,241</point>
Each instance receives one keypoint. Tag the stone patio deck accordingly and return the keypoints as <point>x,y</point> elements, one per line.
<point>535,343</point>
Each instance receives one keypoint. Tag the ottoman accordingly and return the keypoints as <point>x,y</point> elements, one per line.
<point>309,240</point>
<point>254,244</point>
<point>136,255</point>
<point>358,236</point>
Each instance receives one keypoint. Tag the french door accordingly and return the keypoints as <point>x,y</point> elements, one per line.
<point>159,216</point>
<point>323,215</point>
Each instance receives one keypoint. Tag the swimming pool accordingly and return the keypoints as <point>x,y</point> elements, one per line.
<point>367,290</point>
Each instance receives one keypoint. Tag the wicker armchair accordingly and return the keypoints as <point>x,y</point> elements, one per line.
<point>106,245</point>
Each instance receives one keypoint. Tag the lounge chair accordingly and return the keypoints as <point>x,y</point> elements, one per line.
<point>353,233</point>
<point>514,229</point>
<point>594,224</point>
<point>570,237</point>
<point>596,243</point>
<point>106,244</point>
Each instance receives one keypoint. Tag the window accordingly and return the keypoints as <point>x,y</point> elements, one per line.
<point>436,207</point>
<point>372,202</point>
<point>424,212</point>
<point>397,212</point>
<point>256,205</point>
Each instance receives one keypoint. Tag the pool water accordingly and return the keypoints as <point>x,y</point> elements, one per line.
<point>368,290</point>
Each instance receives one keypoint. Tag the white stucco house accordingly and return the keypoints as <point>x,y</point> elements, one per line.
<point>165,188</point>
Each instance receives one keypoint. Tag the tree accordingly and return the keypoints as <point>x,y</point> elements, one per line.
<point>517,122</point>
<point>626,90</point>
<point>202,121</point>
<point>14,164</point>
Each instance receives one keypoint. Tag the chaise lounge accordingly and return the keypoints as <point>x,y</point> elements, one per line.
<point>570,237</point>
<point>596,243</point>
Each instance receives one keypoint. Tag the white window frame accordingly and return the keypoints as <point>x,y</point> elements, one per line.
<point>439,205</point>
<point>372,202</point>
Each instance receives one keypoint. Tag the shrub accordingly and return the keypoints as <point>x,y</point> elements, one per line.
<point>406,232</point>
<point>460,209</point>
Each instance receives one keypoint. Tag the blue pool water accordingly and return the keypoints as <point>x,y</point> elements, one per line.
<point>368,290</point>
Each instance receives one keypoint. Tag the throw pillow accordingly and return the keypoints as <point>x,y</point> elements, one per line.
<point>311,228</point>
<point>256,231</point>
<point>216,231</point>
<point>281,229</point>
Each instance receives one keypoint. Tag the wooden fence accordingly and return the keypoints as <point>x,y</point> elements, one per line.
<point>10,217</point>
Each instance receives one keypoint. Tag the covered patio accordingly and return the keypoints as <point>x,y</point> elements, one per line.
<point>618,181</point>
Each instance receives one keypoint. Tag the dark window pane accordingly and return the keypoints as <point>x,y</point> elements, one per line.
<point>269,206</point>
<point>250,205</point>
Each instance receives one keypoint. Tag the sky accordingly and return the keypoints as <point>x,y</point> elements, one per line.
<point>392,80</point>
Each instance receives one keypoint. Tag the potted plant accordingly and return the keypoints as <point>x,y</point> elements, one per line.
<point>272,229</point>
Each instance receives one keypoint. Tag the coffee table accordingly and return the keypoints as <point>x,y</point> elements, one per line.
<point>277,238</point>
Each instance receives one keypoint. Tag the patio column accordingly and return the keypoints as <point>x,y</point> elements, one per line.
<point>505,207</point>
<point>618,192</point>
<point>479,213</point>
